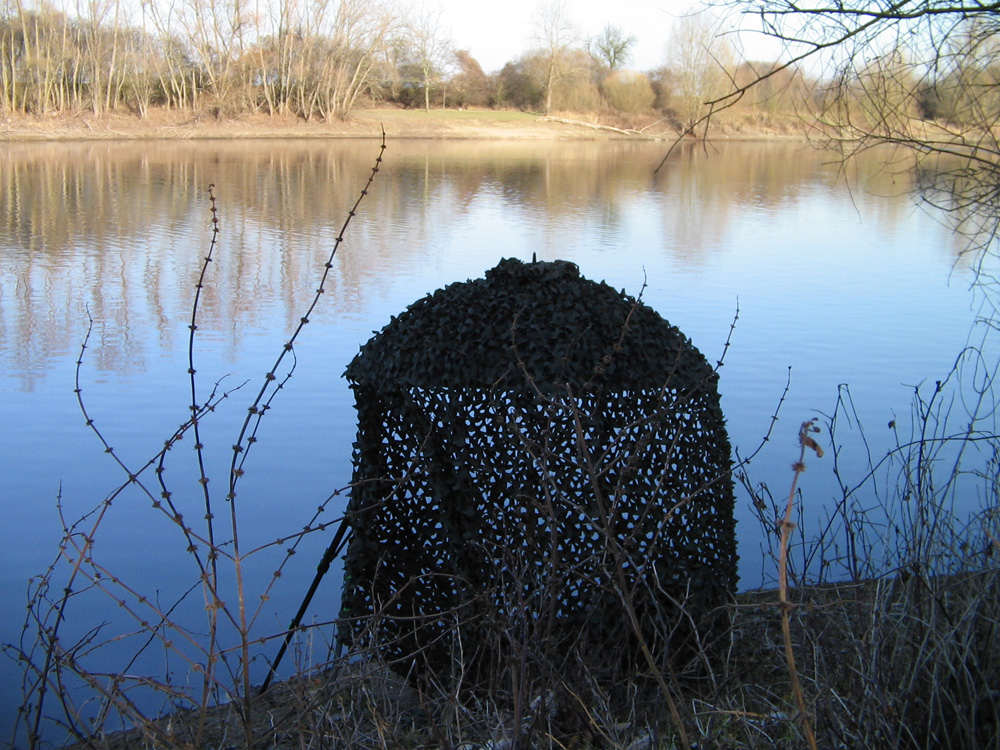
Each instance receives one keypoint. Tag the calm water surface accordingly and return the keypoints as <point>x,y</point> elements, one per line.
<point>838,277</point>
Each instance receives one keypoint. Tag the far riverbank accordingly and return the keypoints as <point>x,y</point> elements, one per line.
<point>365,123</point>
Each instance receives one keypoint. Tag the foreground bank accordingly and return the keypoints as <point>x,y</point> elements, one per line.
<point>868,683</point>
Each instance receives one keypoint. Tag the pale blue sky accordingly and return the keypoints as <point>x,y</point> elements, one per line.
<point>499,31</point>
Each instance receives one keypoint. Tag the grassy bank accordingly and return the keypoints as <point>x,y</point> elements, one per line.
<point>880,668</point>
<point>367,123</point>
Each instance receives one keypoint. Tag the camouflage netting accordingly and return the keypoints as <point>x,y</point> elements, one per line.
<point>533,449</point>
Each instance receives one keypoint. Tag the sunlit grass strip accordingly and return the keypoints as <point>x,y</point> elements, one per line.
<point>450,115</point>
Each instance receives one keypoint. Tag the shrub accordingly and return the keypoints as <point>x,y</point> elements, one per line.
<point>629,92</point>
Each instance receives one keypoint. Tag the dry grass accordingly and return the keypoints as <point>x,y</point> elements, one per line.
<point>869,682</point>
<point>363,123</point>
<point>472,124</point>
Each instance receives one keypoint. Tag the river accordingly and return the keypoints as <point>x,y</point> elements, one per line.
<point>836,274</point>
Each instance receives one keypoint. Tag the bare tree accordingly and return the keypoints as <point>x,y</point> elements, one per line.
<point>556,35</point>
<point>700,62</point>
<point>924,75</point>
<point>140,80</point>
<point>171,62</point>
<point>40,59</point>
<point>361,32</point>
<point>217,33</point>
<point>318,58</point>
<point>431,48</point>
<point>613,46</point>
<point>100,43</point>
<point>274,54</point>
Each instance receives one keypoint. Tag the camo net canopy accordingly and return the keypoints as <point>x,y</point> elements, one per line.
<point>534,449</point>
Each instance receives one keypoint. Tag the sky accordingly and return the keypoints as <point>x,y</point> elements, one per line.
<point>500,31</point>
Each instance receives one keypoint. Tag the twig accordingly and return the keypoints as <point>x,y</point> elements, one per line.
<point>805,441</point>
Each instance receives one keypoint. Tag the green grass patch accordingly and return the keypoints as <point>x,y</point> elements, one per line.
<point>451,115</point>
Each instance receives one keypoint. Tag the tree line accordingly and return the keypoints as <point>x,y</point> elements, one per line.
<point>313,59</point>
<point>319,59</point>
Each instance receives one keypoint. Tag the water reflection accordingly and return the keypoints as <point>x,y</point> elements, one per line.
<point>120,228</point>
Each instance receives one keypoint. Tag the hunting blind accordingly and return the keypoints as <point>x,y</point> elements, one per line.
<point>532,448</point>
